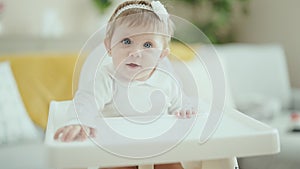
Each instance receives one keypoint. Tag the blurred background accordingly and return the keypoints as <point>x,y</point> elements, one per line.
<point>55,25</point>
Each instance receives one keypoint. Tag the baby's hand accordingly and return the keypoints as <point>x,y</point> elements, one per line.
<point>185,113</point>
<point>74,133</point>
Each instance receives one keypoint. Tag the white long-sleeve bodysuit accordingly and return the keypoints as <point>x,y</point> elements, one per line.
<point>107,96</point>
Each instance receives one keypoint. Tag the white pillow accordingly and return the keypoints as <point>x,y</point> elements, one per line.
<point>15,124</point>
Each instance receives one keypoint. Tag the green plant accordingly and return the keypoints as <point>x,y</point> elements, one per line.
<point>102,5</point>
<point>217,26</point>
<point>218,22</point>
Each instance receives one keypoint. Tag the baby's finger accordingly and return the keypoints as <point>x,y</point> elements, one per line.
<point>71,133</point>
<point>82,135</point>
<point>93,132</point>
<point>188,113</point>
<point>194,112</point>
<point>177,114</point>
<point>182,114</point>
<point>64,132</point>
<point>58,133</point>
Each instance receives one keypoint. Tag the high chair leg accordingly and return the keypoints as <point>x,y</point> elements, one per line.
<point>150,166</point>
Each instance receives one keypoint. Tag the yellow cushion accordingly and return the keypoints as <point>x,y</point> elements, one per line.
<point>180,51</point>
<point>42,78</point>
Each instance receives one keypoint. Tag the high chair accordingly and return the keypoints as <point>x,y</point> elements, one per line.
<point>236,135</point>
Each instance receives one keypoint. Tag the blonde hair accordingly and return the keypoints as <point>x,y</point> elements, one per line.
<point>139,17</point>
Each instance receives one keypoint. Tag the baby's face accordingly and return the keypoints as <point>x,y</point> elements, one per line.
<point>136,52</point>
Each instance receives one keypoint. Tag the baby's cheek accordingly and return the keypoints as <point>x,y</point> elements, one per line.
<point>154,52</point>
<point>152,60</point>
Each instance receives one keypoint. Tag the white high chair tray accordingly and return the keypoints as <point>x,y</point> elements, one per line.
<point>237,135</point>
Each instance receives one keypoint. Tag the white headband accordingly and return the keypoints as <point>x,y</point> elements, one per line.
<point>157,8</point>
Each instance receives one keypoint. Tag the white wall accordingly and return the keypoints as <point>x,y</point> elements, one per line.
<point>275,21</point>
<point>49,18</point>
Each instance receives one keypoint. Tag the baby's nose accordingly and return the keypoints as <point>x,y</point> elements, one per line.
<point>136,53</point>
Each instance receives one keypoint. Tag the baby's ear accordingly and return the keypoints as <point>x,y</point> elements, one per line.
<point>165,53</point>
<point>107,44</point>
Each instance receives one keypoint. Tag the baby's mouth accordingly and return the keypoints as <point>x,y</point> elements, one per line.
<point>133,65</point>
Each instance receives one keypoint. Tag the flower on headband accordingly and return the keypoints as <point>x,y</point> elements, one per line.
<point>160,11</point>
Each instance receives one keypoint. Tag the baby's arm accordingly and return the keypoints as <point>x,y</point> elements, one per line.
<point>80,128</point>
<point>88,101</point>
<point>181,105</point>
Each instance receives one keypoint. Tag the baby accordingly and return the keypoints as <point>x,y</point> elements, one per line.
<point>137,40</point>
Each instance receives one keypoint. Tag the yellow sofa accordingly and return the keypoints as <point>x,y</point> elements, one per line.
<point>42,78</point>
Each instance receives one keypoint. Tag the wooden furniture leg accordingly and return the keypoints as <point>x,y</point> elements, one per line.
<point>150,166</point>
<point>229,163</point>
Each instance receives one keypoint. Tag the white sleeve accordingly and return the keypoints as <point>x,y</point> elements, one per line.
<point>180,101</point>
<point>175,99</point>
<point>90,99</point>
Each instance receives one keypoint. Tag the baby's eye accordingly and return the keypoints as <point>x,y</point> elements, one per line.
<point>148,45</point>
<point>126,41</point>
